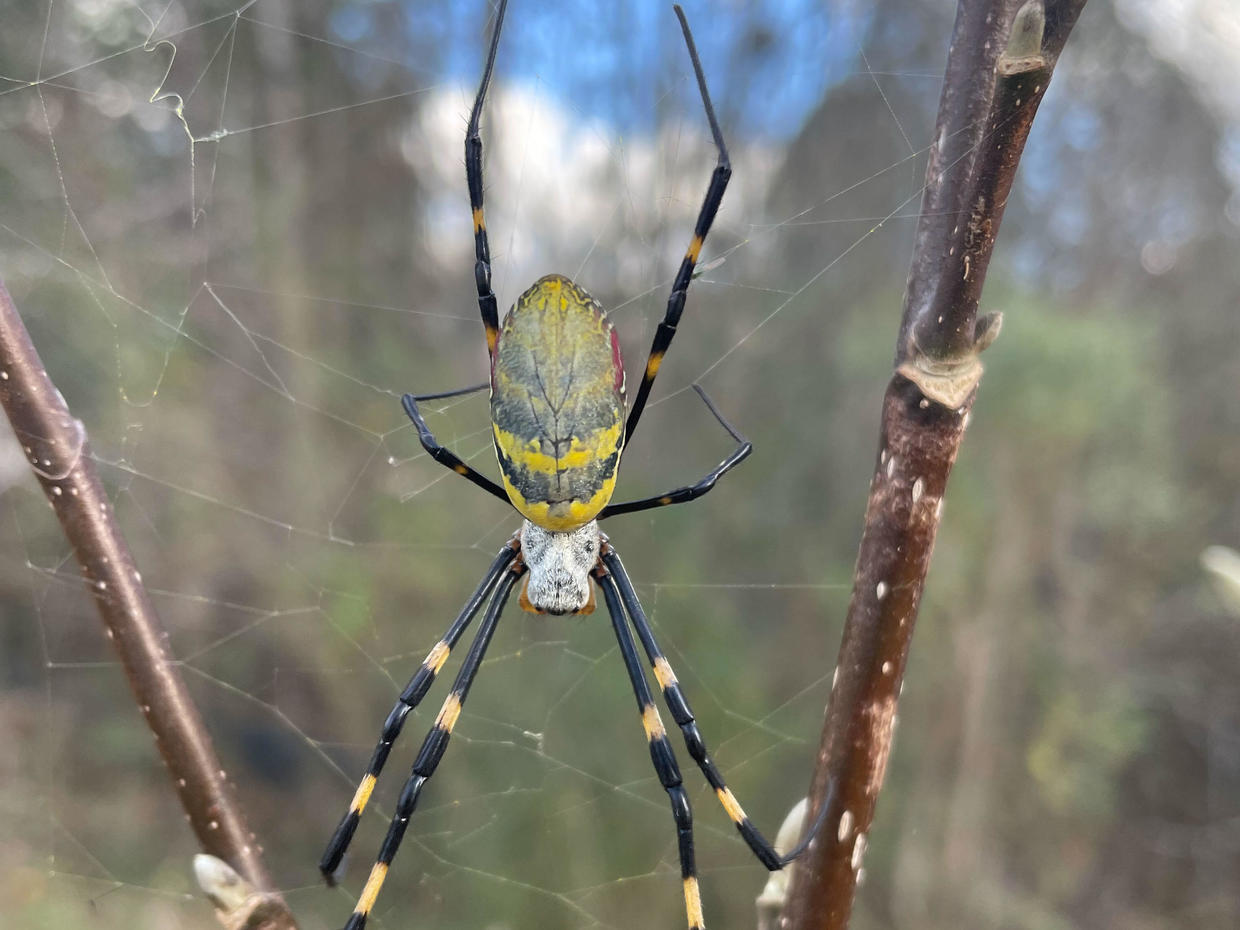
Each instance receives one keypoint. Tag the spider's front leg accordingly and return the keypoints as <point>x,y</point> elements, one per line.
<point>678,705</point>
<point>409,698</point>
<point>433,748</point>
<point>661,753</point>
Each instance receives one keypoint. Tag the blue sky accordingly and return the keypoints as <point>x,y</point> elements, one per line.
<point>767,64</point>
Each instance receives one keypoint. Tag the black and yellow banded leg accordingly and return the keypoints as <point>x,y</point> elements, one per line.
<point>679,708</point>
<point>409,698</point>
<point>680,286</point>
<point>473,175</point>
<point>432,750</point>
<point>446,457</point>
<point>692,491</point>
<point>661,753</point>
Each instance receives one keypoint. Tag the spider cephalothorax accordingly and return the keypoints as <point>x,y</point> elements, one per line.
<point>559,566</point>
<point>558,423</point>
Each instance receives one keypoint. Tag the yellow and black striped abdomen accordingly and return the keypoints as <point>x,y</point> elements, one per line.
<point>557,405</point>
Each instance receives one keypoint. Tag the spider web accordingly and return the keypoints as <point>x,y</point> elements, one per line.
<point>238,233</point>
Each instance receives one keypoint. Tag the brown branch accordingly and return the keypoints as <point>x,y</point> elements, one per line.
<point>1002,55</point>
<point>56,447</point>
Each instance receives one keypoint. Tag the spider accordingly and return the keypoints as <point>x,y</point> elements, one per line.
<point>557,392</point>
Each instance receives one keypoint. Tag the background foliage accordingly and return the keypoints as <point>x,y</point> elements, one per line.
<point>233,283</point>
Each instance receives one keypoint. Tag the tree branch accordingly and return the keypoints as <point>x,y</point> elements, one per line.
<point>1002,55</point>
<point>56,447</point>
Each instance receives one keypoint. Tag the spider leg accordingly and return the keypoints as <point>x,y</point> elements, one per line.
<point>473,175</point>
<point>661,753</point>
<point>459,392</point>
<point>679,708</point>
<point>691,491</point>
<point>443,455</point>
<point>432,750</point>
<point>710,206</point>
<point>414,691</point>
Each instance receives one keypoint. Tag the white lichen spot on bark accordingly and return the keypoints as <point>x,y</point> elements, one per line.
<point>858,851</point>
<point>881,720</point>
<point>846,824</point>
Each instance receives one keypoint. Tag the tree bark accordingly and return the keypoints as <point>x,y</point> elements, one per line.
<point>56,446</point>
<point>1002,55</point>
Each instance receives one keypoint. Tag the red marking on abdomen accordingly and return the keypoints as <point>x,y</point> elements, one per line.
<point>617,361</point>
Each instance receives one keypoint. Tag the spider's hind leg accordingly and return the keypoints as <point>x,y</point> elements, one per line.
<point>706,216</point>
<point>487,305</point>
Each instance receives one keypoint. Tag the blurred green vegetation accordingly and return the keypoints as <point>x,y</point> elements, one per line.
<point>235,323</point>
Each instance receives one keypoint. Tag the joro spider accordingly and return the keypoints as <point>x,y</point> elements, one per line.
<point>557,414</point>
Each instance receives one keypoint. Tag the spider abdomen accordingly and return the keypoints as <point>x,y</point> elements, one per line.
<point>557,405</point>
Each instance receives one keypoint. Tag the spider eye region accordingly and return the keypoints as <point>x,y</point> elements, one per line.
<point>557,405</point>
<point>559,569</point>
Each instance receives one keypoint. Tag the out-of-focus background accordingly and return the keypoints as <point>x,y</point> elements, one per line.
<point>239,231</point>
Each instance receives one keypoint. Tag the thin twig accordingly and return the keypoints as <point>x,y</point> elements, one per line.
<point>56,447</point>
<point>1001,59</point>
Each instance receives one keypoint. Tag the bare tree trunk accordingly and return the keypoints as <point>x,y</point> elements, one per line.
<point>56,446</point>
<point>1002,55</point>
